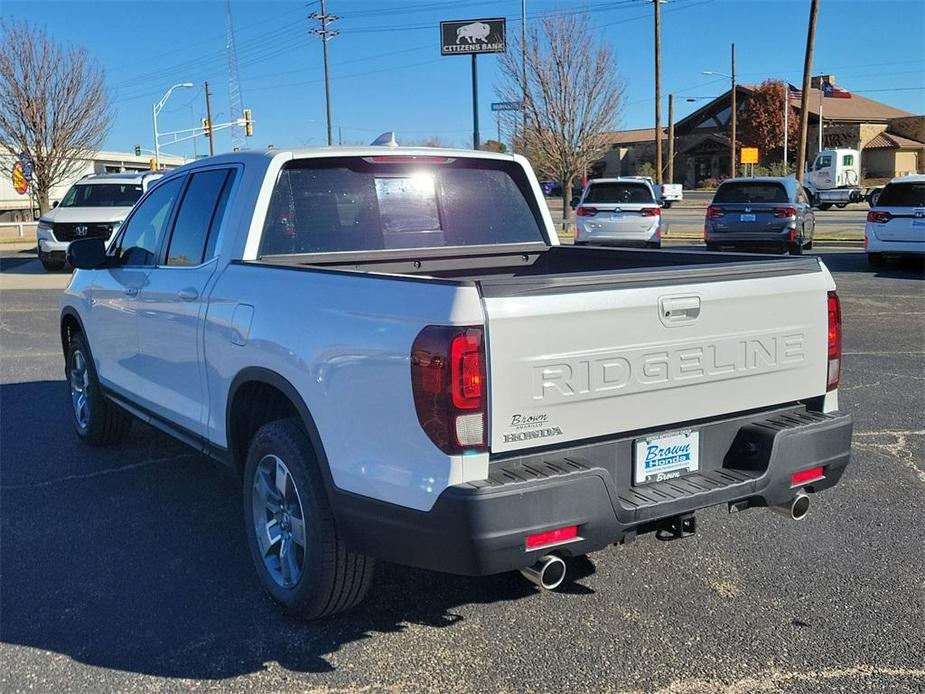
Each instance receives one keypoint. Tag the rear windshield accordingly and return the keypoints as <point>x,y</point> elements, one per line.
<point>902,195</point>
<point>751,191</point>
<point>102,195</point>
<point>619,192</point>
<point>352,204</point>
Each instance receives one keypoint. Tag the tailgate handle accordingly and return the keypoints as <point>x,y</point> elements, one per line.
<point>675,310</point>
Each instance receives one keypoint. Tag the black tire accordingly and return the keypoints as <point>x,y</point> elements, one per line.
<point>876,259</point>
<point>667,204</point>
<point>331,578</point>
<point>654,244</point>
<point>51,264</point>
<point>841,205</point>
<point>825,206</point>
<point>796,248</point>
<point>102,423</point>
<point>808,246</point>
<point>712,247</point>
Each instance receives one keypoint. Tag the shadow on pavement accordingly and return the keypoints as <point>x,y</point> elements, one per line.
<point>900,268</point>
<point>145,568</point>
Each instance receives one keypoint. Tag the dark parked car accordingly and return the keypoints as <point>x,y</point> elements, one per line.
<point>767,214</point>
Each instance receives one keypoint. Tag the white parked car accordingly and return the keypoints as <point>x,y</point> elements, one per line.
<point>619,211</point>
<point>896,225</point>
<point>94,207</point>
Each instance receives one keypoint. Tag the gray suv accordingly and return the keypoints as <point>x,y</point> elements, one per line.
<point>765,214</point>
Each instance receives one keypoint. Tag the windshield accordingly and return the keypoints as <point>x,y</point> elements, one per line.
<point>357,204</point>
<point>902,195</point>
<point>102,195</point>
<point>751,191</point>
<point>620,193</point>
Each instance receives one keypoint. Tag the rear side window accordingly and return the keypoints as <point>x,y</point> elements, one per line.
<point>906,194</point>
<point>198,217</point>
<point>751,191</point>
<point>357,204</point>
<point>619,192</point>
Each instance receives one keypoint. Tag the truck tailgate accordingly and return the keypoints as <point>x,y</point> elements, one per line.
<point>579,359</point>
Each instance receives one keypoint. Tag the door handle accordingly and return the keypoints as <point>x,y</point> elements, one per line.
<point>679,309</point>
<point>131,291</point>
<point>188,294</point>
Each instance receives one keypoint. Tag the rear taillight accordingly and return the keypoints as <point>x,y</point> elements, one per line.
<point>785,212</point>
<point>448,384</point>
<point>714,212</point>
<point>879,217</point>
<point>408,159</point>
<point>651,211</point>
<point>834,341</point>
<point>583,211</point>
<point>793,234</point>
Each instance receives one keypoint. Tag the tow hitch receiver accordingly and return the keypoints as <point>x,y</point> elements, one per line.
<point>676,528</point>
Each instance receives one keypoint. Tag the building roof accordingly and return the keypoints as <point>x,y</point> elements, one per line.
<point>857,108</point>
<point>890,141</point>
<point>633,137</point>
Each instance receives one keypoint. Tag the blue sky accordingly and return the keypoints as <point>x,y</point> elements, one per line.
<point>387,73</point>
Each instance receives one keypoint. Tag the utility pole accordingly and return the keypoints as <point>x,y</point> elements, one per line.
<point>732,155</point>
<point>671,138</point>
<point>523,60</point>
<point>658,92</point>
<point>325,34</point>
<point>209,118</point>
<point>807,69</point>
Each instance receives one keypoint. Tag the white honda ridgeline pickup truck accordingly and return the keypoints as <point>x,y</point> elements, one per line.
<point>392,349</point>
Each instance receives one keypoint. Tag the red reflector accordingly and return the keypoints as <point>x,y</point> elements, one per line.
<point>586,211</point>
<point>408,159</point>
<point>804,476</point>
<point>651,211</point>
<point>552,537</point>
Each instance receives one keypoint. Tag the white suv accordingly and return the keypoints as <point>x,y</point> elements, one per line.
<point>619,211</point>
<point>95,206</point>
<point>896,225</point>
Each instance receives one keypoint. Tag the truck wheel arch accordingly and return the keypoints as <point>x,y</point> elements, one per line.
<point>70,324</point>
<point>280,399</point>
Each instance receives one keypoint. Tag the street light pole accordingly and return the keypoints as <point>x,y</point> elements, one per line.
<point>732,153</point>
<point>156,110</point>
<point>658,92</point>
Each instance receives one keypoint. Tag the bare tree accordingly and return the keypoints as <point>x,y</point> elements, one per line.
<point>53,105</point>
<point>574,96</point>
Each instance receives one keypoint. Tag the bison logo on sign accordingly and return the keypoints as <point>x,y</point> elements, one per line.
<point>477,31</point>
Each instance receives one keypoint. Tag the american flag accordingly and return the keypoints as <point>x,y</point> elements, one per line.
<point>833,92</point>
<point>793,92</point>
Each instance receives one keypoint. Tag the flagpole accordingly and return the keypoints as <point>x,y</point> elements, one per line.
<point>820,116</point>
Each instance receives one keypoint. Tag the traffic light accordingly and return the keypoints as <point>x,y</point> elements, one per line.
<point>248,123</point>
<point>206,127</point>
<point>137,150</point>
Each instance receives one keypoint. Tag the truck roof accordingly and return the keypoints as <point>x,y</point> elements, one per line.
<point>354,151</point>
<point>125,177</point>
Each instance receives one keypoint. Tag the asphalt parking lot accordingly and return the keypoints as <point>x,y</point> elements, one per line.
<point>126,568</point>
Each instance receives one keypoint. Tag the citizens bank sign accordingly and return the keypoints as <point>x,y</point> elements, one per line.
<point>463,37</point>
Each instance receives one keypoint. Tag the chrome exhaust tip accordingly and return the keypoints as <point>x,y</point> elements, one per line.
<point>796,509</point>
<point>548,572</point>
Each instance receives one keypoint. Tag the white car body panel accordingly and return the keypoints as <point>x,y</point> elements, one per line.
<point>904,233</point>
<point>590,363</point>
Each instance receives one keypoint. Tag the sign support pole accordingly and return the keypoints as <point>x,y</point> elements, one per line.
<point>475,103</point>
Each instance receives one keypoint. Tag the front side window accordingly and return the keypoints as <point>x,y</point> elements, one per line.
<point>145,229</point>
<point>847,160</point>
<point>619,192</point>
<point>823,162</point>
<point>750,191</point>
<point>395,202</point>
<point>198,217</point>
<point>102,195</point>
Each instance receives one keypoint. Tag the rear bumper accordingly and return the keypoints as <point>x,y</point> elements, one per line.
<point>750,239</point>
<point>480,528</point>
<point>875,245</point>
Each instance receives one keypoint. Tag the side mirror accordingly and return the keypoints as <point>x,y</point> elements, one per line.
<point>87,254</point>
<point>574,202</point>
<point>54,204</point>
